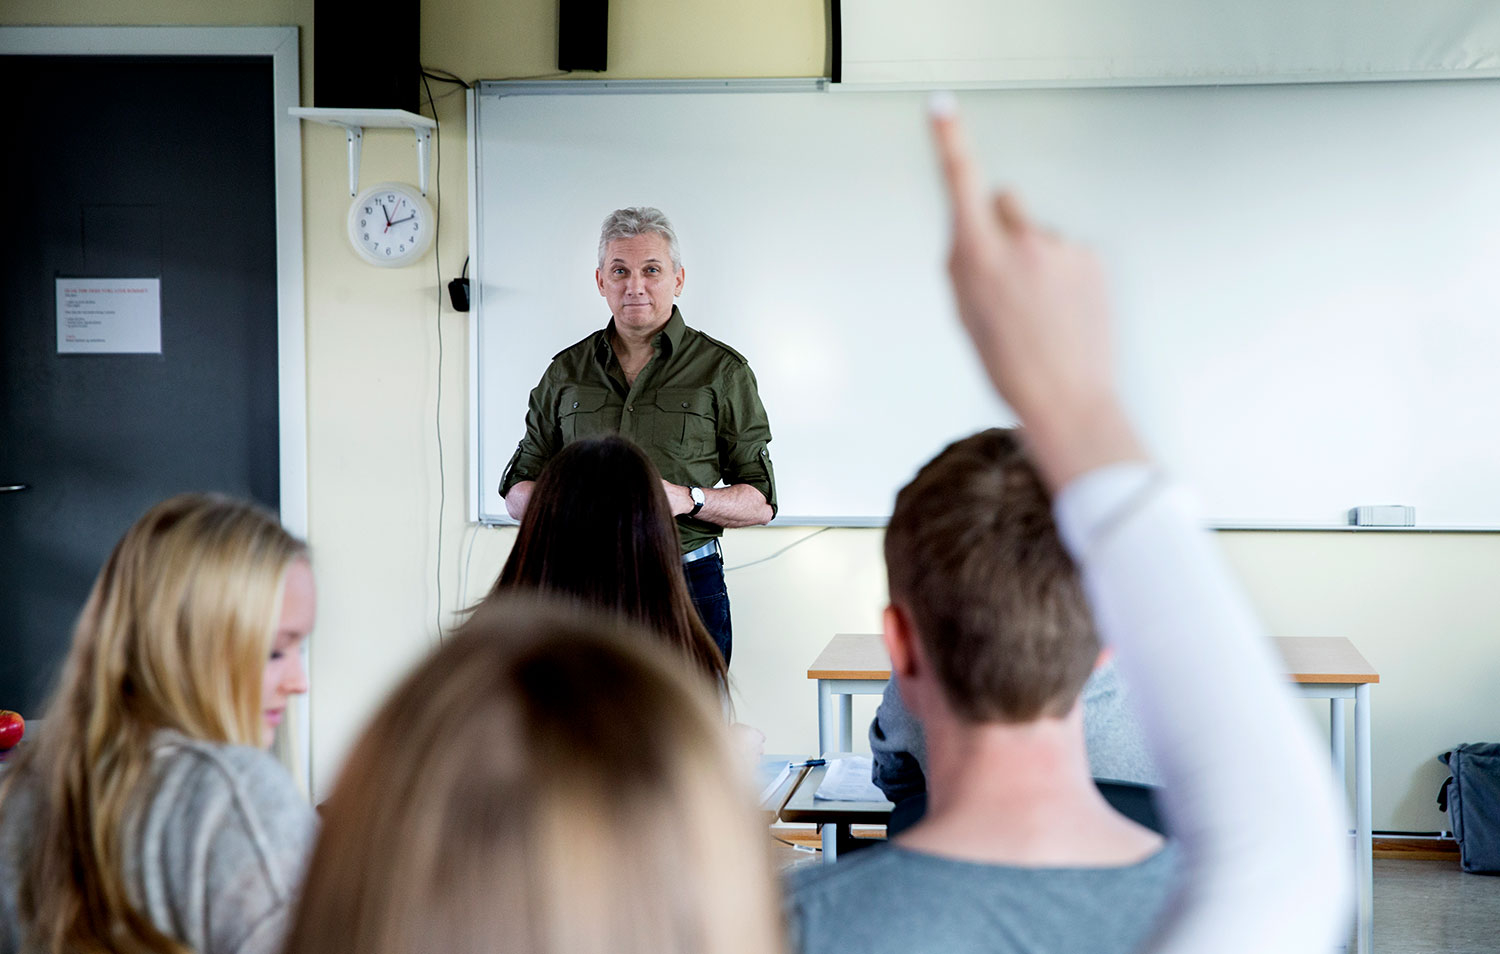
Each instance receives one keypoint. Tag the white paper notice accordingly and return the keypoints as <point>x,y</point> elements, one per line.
<point>109,316</point>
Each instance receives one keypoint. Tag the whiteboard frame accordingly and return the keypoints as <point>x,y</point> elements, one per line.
<point>500,88</point>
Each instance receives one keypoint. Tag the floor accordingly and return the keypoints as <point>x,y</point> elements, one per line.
<point>1427,907</point>
<point>1421,907</point>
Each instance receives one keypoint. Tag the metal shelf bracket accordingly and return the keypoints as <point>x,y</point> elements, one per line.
<point>354,122</point>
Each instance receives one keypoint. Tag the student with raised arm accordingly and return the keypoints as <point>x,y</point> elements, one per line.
<point>146,816</point>
<point>990,634</point>
<point>1248,794</point>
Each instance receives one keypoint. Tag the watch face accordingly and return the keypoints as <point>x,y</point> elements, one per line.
<point>390,225</point>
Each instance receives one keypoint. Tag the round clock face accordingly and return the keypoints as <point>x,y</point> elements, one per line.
<point>391,224</point>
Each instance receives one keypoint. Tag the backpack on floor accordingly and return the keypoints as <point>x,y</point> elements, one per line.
<point>1472,800</point>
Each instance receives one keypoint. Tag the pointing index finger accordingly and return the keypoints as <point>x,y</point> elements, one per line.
<point>965,194</point>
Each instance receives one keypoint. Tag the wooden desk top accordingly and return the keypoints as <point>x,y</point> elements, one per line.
<point>803,807</point>
<point>852,656</point>
<point>1308,659</point>
<point>1324,659</point>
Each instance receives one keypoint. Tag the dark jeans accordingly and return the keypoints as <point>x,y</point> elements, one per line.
<point>705,580</point>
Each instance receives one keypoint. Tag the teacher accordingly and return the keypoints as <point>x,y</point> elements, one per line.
<point>688,400</point>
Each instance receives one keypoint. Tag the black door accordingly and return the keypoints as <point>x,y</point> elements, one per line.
<point>127,167</point>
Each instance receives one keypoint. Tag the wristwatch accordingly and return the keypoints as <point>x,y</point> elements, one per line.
<point>699,499</point>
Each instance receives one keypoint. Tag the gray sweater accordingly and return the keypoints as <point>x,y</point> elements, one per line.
<point>1116,742</point>
<point>214,856</point>
<point>887,899</point>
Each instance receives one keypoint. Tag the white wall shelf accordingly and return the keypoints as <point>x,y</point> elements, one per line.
<point>354,122</point>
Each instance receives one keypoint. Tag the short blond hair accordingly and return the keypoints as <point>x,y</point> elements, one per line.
<point>548,782</point>
<point>175,635</point>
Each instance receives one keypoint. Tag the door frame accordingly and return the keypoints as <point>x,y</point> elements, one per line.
<point>280,45</point>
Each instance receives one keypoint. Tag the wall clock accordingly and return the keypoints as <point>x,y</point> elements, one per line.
<point>391,224</point>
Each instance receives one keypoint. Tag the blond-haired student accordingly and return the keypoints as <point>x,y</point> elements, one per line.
<point>546,782</point>
<point>147,815</point>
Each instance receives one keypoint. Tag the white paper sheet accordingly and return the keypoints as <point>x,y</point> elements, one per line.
<point>848,780</point>
<point>109,316</point>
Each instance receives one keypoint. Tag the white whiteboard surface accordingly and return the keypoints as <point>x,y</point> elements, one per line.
<point>1149,42</point>
<point>1307,278</point>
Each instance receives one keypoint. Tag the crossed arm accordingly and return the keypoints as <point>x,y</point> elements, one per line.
<point>738,505</point>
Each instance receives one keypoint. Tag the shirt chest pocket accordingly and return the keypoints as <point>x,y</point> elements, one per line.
<point>686,423</point>
<point>580,413</point>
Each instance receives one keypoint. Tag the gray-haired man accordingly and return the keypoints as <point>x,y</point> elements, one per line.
<point>689,401</point>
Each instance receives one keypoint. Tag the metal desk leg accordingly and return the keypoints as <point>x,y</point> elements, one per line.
<point>830,843</point>
<point>846,722</point>
<point>1336,741</point>
<point>826,716</point>
<point>1364,867</point>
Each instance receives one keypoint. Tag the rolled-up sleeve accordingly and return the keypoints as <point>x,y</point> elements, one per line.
<point>744,433</point>
<point>542,438</point>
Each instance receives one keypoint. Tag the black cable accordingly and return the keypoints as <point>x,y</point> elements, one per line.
<point>766,559</point>
<point>448,76</point>
<point>465,272</point>
<point>534,76</point>
<point>438,261</point>
<point>442,76</point>
<point>463,590</point>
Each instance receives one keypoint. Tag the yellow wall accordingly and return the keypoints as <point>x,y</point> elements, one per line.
<point>1421,606</point>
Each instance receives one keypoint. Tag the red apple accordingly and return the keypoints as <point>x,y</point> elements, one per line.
<point>12,727</point>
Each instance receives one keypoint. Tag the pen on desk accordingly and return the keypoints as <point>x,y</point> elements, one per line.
<point>810,763</point>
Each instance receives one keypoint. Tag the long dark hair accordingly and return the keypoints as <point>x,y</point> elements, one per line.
<point>598,531</point>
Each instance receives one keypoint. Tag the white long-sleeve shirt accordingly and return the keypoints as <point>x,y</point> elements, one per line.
<point>1247,791</point>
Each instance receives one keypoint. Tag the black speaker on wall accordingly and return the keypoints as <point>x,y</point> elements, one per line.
<point>366,54</point>
<point>582,34</point>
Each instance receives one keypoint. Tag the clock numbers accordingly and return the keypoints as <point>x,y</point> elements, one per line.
<point>386,224</point>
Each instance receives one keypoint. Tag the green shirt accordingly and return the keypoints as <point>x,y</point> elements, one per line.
<point>694,409</point>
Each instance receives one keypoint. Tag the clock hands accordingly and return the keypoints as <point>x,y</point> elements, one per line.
<point>388,222</point>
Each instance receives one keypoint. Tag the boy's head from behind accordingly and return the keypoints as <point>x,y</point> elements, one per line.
<point>975,565</point>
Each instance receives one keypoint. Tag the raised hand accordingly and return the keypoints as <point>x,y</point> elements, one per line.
<point>1037,311</point>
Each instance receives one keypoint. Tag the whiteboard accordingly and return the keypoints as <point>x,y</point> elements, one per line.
<point>1306,277</point>
<point>1157,42</point>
